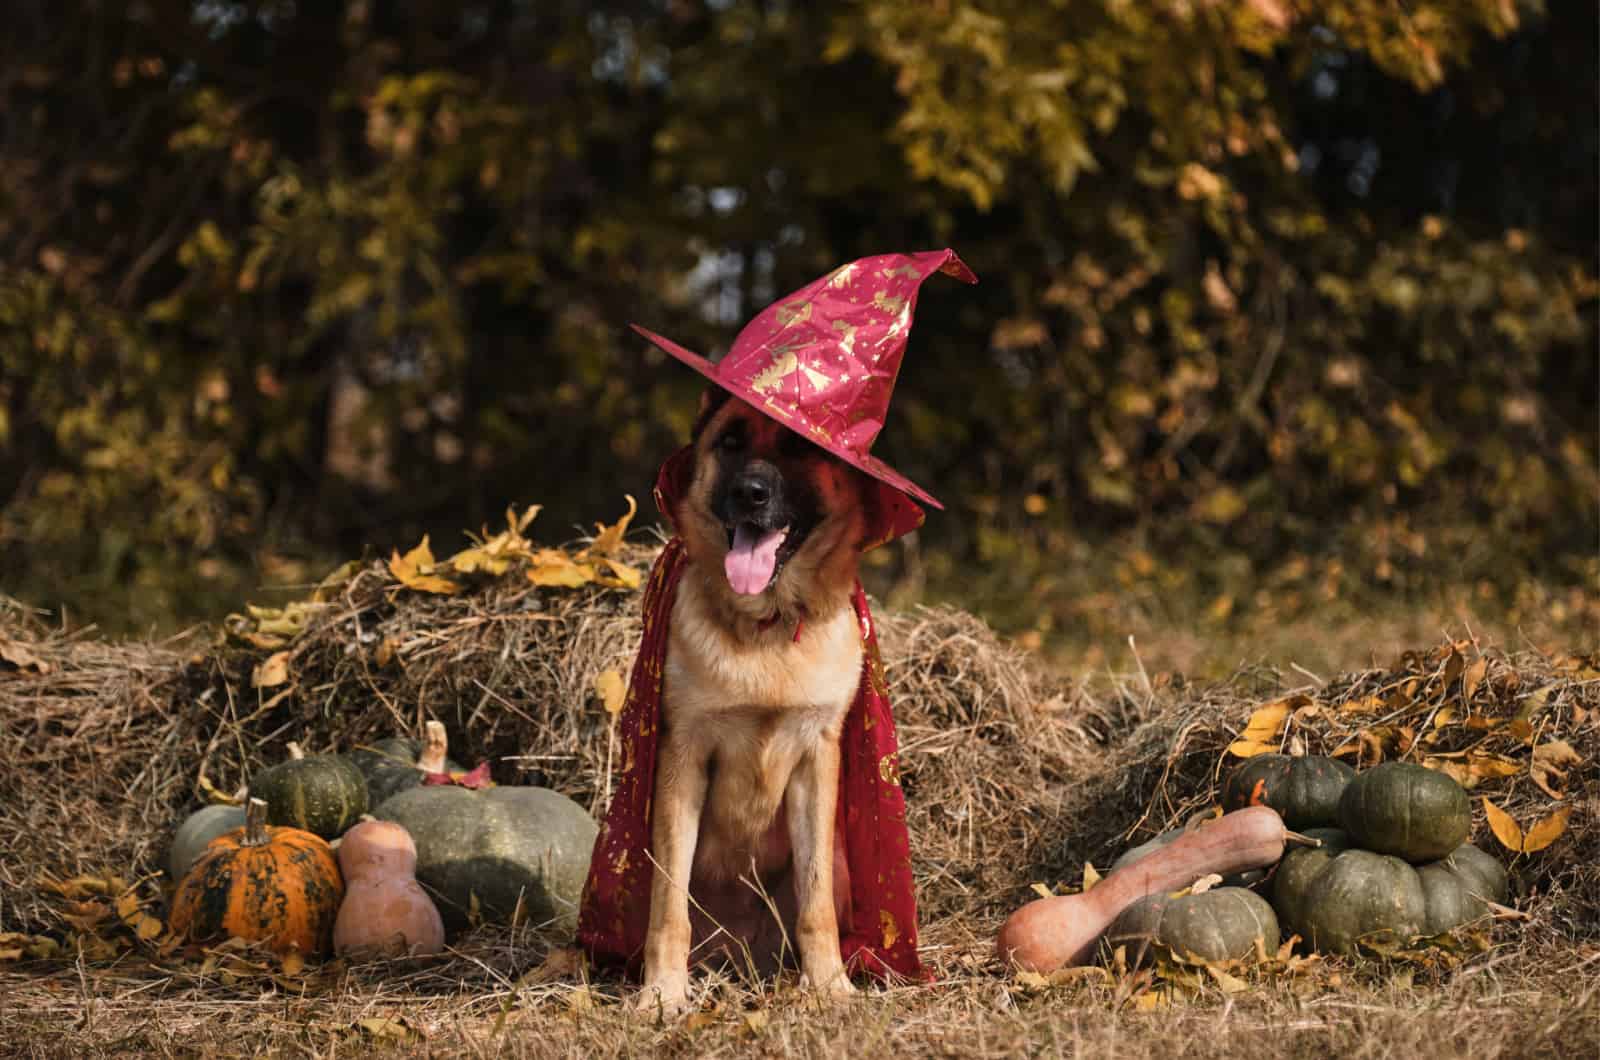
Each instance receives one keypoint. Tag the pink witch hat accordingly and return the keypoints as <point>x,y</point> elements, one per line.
<point>823,361</point>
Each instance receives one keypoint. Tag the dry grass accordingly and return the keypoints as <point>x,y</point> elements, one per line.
<point>1013,775</point>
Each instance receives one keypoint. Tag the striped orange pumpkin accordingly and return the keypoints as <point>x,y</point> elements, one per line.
<point>280,886</point>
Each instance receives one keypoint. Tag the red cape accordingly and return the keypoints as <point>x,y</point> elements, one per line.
<point>881,937</point>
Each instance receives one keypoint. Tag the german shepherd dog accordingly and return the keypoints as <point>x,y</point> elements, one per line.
<point>763,660</point>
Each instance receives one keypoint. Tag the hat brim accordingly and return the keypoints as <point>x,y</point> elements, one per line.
<point>864,462</point>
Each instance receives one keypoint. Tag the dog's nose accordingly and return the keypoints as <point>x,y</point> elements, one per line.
<point>751,491</point>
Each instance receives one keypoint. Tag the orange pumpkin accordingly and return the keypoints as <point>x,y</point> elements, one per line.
<point>280,886</point>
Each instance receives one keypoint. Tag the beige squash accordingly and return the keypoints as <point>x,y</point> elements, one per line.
<point>385,911</point>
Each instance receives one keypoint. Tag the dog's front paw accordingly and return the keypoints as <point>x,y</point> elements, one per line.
<point>668,999</point>
<point>832,986</point>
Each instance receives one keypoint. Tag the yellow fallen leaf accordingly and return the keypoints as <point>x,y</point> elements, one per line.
<point>1511,835</point>
<point>1041,890</point>
<point>552,567</point>
<point>287,621</point>
<point>294,963</point>
<point>15,946</point>
<point>1151,1000</point>
<point>494,555</point>
<point>1549,766</point>
<point>1458,771</point>
<point>128,908</point>
<point>609,538</point>
<point>1230,984</point>
<point>21,656</point>
<point>334,581</point>
<point>1090,876</point>
<point>272,671</point>
<point>1260,734</point>
<point>1504,826</point>
<point>469,560</point>
<point>1473,677</point>
<point>1368,704</point>
<point>608,684</point>
<point>1490,766</point>
<point>1063,976</point>
<point>625,577</point>
<point>84,886</point>
<point>755,1022</point>
<point>415,570</point>
<point>1454,664</point>
<point>1546,831</point>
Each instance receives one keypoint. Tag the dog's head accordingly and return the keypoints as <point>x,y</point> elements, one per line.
<point>774,520</point>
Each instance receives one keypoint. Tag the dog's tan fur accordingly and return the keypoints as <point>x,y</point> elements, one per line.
<point>748,763</point>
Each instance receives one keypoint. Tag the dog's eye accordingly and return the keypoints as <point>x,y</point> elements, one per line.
<point>731,442</point>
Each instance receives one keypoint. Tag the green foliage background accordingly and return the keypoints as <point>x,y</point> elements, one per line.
<point>1268,282</point>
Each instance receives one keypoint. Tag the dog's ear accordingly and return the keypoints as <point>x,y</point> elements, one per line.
<point>711,399</point>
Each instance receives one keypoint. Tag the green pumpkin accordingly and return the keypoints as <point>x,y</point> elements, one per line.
<point>1295,872</point>
<point>321,794</point>
<point>1333,896</point>
<point>1362,897</point>
<point>1304,789</point>
<point>397,764</point>
<point>1457,889</point>
<point>1227,923</point>
<point>1406,810</point>
<point>196,833</point>
<point>494,848</point>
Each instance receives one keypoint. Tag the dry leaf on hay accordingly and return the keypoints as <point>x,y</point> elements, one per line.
<point>271,671</point>
<point>609,538</point>
<point>1454,665</point>
<point>553,568</point>
<point>1473,677</point>
<point>1549,766</point>
<point>1261,732</point>
<point>288,621</point>
<point>1487,766</point>
<point>494,555</point>
<point>611,689</point>
<point>1536,838</point>
<point>626,577</point>
<point>15,946</point>
<point>415,570</point>
<point>333,583</point>
<point>1090,876</point>
<point>1229,984</point>
<point>20,656</point>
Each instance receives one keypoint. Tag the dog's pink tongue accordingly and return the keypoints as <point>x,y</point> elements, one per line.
<point>752,558</point>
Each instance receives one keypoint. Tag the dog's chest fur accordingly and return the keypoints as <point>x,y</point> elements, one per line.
<point>755,706</point>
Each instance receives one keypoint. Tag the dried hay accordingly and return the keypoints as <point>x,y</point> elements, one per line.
<point>1013,775</point>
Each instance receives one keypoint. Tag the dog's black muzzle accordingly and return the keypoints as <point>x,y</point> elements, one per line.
<point>755,494</point>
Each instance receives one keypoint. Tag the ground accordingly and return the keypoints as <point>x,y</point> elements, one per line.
<point>1016,773</point>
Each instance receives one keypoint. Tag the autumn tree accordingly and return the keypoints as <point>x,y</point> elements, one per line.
<point>1261,275</point>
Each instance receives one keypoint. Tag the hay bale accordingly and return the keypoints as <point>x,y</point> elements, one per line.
<point>1013,774</point>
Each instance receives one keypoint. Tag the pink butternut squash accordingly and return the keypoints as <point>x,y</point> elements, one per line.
<point>385,911</point>
<point>1054,932</point>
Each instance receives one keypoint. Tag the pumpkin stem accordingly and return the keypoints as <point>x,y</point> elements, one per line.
<point>435,748</point>
<point>255,823</point>
<point>1295,839</point>
<point>295,751</point>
